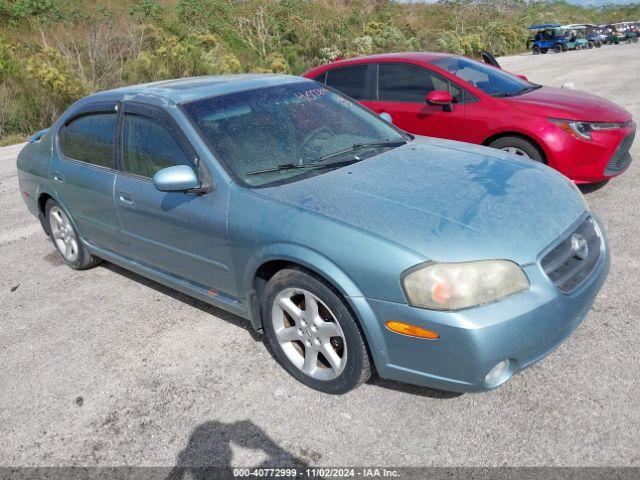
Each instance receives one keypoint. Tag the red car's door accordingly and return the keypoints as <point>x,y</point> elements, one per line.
<point>401,92</point>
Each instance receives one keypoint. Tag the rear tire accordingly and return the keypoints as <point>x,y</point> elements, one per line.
<point>312,334</point>
<point>544,50</point>
<point>558,48</point>
<point>66,239</point>
<point>536,50</point>
<point>520,147</point>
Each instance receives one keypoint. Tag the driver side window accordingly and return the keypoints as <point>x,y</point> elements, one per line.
<point>149,147</point>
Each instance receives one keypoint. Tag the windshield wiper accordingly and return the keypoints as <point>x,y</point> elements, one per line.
<point>317,164</point>
<point>361,146</point>
<point>519,92</point>
<point>307,166</point>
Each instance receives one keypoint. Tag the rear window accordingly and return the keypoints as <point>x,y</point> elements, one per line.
<point>349,80</point>
<point>90,139</point>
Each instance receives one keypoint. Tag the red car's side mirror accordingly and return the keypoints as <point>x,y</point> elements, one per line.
<point>440,97</point>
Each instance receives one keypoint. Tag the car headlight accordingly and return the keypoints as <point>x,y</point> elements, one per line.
<point>454,286</point>
<point>583,129</point>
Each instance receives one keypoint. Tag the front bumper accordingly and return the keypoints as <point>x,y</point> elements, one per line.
<point>523,328</point>
<point>589,161</point>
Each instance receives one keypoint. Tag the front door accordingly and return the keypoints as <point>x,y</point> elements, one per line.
<point>402,89</point>
<point>180,234</point>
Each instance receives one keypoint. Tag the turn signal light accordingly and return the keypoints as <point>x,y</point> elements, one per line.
<point>411,330</point>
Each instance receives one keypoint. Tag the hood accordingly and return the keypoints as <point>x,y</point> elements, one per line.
<point>569,105</point>
<point>445,200</point>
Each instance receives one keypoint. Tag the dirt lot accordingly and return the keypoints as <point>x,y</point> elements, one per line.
<point>104,367</point>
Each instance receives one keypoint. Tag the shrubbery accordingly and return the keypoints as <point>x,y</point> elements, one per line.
<point>53,52</point>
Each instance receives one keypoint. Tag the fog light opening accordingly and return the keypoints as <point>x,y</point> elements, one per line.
<point>499,374</point>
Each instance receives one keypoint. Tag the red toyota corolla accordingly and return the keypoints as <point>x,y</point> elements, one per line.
<point>583,136</point>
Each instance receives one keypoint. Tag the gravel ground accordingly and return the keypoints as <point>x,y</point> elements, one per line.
<point>104,367</point>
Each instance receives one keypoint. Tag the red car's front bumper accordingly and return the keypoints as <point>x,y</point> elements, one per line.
<point>605,156</point>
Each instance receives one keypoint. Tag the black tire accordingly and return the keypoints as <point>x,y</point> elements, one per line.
<point>544,50</point>
<point>536,50</point>
<point>591,44</point>
<point>558,48</point>
<point>357,369</point>
<point>84,259</point>
<point>520,143</point>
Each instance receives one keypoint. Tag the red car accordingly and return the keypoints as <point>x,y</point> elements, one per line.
<point>583,136</point>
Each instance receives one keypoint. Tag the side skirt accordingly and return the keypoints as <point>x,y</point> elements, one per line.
<point>213,297</point>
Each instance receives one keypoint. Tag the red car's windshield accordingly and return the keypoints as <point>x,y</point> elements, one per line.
<point>490,80</point>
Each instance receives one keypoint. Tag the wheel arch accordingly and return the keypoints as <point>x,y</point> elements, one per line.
<point>260,270</point>
<point>523,136</point>
<point>43,198</point>
<point>269,267</point>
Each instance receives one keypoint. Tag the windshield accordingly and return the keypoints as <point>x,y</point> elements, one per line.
<point>289,132</point>
<point>490,80</point>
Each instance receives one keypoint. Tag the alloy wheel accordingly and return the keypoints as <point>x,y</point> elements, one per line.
<point>63,234</point>
<point>309,334</point>
<point>516,151</point>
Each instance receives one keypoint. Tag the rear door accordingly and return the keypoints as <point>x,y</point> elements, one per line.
<point>180,234</point>
<point>354,81</point>
<point>84,173</point>
<point>401,92</point>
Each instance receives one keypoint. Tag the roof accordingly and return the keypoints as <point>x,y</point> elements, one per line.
<point>184,90</point>
<point>544,25</point>
<point>382,57</point>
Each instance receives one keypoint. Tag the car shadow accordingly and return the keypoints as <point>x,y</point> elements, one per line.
<point>208,453</point>
<point>184,298</point>
<point>587,188</point>
<point>413,389</point>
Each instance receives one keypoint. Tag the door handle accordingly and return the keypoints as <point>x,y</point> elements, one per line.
<point>126,199</point>
<point>58,178</point>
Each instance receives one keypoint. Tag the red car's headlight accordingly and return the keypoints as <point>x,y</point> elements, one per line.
<point>583,129</point>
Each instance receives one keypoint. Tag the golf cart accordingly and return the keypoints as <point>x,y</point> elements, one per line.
<point>548,36</point>
<point>629,30</point>
<point>614,37</point>
<point>575,37</point>
<point>594,35</point>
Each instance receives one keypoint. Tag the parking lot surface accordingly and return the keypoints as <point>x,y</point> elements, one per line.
<point>104,367</point>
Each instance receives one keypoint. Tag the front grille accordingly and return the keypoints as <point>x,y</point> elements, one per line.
<point>621,158</point>
<point>570,263</point>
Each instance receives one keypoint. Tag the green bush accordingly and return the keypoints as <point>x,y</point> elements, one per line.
<point>55,51</point>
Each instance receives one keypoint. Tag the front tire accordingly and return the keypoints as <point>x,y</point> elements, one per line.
<point>66,239</point>
<point>312,334</point>
<point>558,49</point>
<point>520,147</point>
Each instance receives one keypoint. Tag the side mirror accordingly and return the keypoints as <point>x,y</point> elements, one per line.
<point>441,98</point>
<point>523,77</point>
<point>386,117</point>
<point>179,178</point>
<point>489,59</point>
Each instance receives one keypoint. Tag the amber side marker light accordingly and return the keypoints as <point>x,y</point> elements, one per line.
<point>411,330</point>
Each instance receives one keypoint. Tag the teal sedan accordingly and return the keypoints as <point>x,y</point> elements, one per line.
<point>353,246</point>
